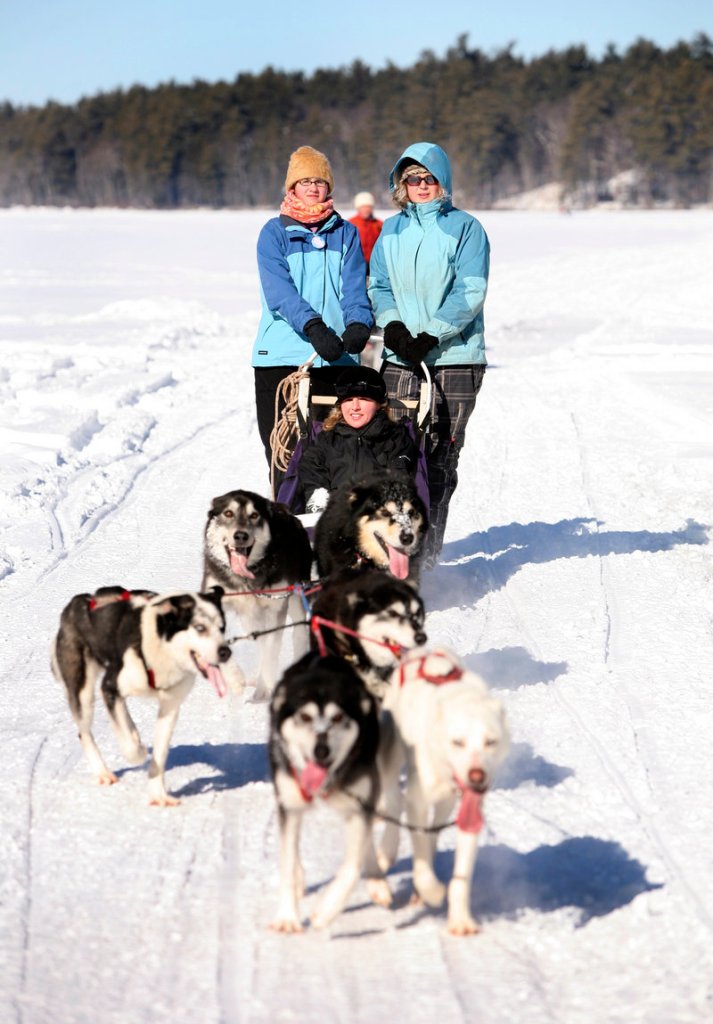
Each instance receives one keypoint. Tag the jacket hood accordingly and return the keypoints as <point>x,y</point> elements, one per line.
<point>430,156</point>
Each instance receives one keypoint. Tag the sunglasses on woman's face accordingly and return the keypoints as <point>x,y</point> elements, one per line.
<point>416,179</point>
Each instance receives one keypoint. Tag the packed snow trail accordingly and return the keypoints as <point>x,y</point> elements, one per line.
<point>576,579</point>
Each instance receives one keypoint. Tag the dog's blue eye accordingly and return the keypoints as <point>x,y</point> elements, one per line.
<point>199,628</point>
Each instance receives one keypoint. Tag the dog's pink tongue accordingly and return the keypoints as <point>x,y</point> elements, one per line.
<point>215,677</point>
<point>470,813</point>
<point>239,565</point>
<point>398,563</point>
<point>312,778</point>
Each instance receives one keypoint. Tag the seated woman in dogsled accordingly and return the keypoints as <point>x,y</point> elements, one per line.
<point>360,435</point>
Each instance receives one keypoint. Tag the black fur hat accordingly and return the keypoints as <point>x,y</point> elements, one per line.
<point>362,382</point>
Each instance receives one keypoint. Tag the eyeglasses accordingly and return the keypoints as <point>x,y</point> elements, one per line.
<point>319,182</point>
<point>416,179</point>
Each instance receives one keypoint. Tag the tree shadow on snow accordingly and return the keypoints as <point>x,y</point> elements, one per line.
<point>232,765</point>
<point>508,668</point>
<point>483,562</point>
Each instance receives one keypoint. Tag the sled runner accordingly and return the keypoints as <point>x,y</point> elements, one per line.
<point>308,422</point>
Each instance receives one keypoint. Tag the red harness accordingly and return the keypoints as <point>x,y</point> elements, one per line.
<point>453,676</point>
<point>316,622</point>
<point>125,595</point>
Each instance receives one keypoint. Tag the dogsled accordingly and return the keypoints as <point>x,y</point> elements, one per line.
<point>302,419</point>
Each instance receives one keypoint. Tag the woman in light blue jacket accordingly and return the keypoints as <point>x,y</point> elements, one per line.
<point>429,277</point>
<point>313,290</point>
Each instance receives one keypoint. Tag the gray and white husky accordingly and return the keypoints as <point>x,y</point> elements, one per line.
<point>256,549</point>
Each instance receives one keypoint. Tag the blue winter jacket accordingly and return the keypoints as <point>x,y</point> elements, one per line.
<point>304,275</point>
<point>429,269</point>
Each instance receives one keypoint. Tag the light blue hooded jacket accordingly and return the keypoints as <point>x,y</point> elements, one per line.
<point>429,269</point>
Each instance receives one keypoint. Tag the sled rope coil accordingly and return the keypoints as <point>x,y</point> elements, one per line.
<point>286,428</point>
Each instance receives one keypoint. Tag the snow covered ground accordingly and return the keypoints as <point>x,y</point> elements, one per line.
<point>576,578</point>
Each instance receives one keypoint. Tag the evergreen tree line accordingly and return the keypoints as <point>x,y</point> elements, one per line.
<point>508,125</point>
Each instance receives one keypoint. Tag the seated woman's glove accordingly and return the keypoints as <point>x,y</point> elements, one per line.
<point>317,500</point>
<point>398,339</point>
<point>355,338</point>
<point>323,340</point>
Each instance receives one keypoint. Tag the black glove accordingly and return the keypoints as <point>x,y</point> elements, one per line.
<point>421,347</point>
<point>398,339</point>
<point>323,340</point>
<point>355,338</point>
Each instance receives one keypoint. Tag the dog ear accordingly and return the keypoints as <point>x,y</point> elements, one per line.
<point>177,617</point>
<point>214,595</point>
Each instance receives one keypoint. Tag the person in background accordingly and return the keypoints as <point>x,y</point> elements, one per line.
<point>358,438</point>
<point>428,281</point>
<point>368,226</point>
<point>312,286</point>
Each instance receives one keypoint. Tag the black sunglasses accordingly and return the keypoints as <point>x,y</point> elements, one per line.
<point>416,179</point>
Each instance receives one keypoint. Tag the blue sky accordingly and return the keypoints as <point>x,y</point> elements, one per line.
<point>65,49</point>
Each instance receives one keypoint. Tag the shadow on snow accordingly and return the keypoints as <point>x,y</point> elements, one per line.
<point>485,561</point>
<point>232,765</point>
<point>591,876</point>
<point>508,668</point>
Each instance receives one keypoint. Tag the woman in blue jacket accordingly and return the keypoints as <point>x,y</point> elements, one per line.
<point>313,288</point>
<point>428,280</point>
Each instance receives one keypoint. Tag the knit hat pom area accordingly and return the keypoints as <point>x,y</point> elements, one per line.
<point>307,162</point>
<point>360,382</point>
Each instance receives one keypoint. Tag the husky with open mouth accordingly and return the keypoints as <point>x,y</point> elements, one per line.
<point>379,521</point>
<point>371,620</point>
<point>143,645</point>
<point>452,736</point>
<point>257,550</point>
<point>324,736</point>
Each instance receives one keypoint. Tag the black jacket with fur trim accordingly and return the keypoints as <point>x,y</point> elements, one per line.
<point>343,454</point>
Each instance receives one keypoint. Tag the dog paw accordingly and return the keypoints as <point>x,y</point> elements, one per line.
<point>463,926</point>
<point>106,778</point>
<point>379,892</point>
<point>164,800</point>
<point>286,926</point>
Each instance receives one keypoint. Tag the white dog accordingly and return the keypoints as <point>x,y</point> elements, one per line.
<point>452,736</point>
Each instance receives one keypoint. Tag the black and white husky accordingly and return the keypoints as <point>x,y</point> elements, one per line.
<point>379,521</point>
<point>256,549</point>
<point>144,645</point>
<point>381,618</point>
<point>324,736</point>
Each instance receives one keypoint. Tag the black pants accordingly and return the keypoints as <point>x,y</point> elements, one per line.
<point>267,382</point>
